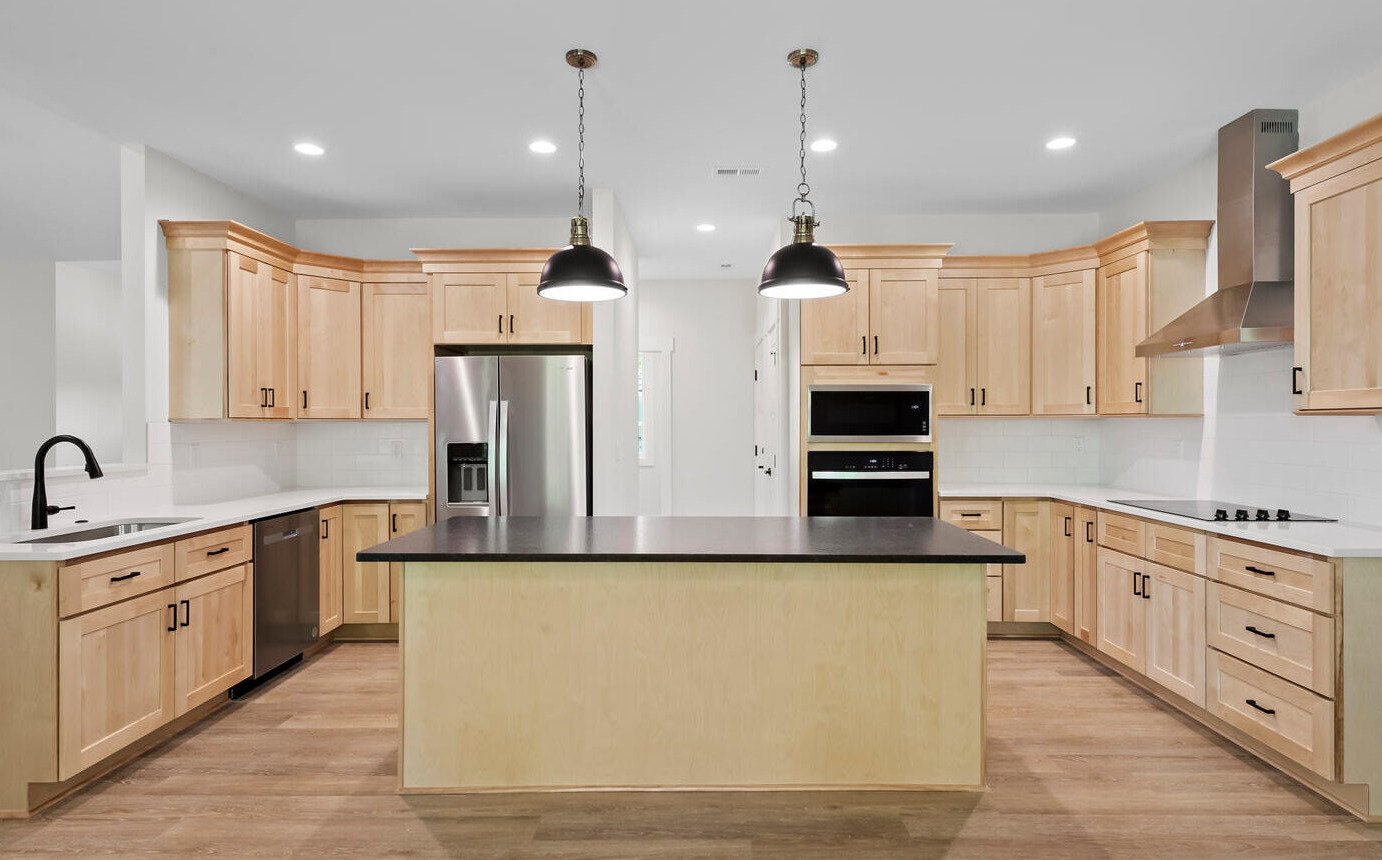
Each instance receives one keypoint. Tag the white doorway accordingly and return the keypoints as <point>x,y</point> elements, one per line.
<point>769,458</point>
<point>655,427</point>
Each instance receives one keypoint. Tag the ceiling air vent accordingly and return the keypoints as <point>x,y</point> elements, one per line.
<point>1276,126</point>
<point>738,171</point>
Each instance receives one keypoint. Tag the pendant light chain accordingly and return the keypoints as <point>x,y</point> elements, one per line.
<point>803,189</point>
<point>580,147</point>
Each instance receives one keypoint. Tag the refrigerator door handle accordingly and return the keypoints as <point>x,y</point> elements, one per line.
<point>502,478</point>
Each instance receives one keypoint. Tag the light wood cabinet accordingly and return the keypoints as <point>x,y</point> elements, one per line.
<point>328,353</point>
<point>261,339</point>
<point>210,551</point>
<point>985,339</point>
<point>1086,576</point>
<point>365,597</point>
<point>404,517</point>
<point>500,307</point>
<point>903,323</point>
<point>1175,630</point>
<point>1286,576</point>
<point>93,582</point>
<point>1289,719</point>
<point>1337,185</point>
<point>1063,343</point>
<point>214,644</point>
<point>535,320</point>
<point>955,391</point>
<point>974,514</point>
<point>1124,533</point>
<point>1061,553</point>
<point>835,330</point>
<point>1288,641</point>
<point>1122,325</point>
<point>396,345</point>
<point>116,679</point>
<point>330,568</point>
<point>1122,613</point>
<point>1026,595</point>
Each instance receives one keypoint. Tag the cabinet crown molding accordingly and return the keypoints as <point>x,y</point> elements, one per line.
<point>1154,236</point>
<point>234,236</point>
<point>1327,152</point>
<point>436,260</point>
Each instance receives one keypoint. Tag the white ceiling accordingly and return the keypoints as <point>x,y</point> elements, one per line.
<point>426,108</point>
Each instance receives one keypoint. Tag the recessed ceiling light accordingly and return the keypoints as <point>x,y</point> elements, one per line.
<point>542,147</point>
<point>824,144</point>
<point>1060,143</point>
<point>726,265</point>
<point>706,228</point>
<point>307,148</point>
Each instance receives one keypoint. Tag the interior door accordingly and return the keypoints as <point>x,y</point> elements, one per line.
<point>328,350</point>
<point>470,308</point>
<point>1086,576</point>
<point>1121,297</point>
<point>836,330</point>
<point>955,392</point>
<point>544,442</point>
<point>1062,573</point>
<point>904,316</point>
<point>1003,346</point>
<point>215,638</point>
<point>1063,344</point>
<point>397,351</point>
<point>1176,630</point>
<point>533,319</point>
<point>1122,613</point>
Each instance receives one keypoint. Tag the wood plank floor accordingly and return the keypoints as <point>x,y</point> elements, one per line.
<point>1082,764</point>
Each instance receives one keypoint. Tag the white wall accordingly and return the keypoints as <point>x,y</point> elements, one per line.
<point>712,326</point>
<point>972,234</point>
<point>87,363</point>
<point>394,238</point>
<point>27,321</point>
<point>615,367</point>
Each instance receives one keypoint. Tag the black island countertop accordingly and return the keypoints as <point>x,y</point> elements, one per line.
<point>912,540</point>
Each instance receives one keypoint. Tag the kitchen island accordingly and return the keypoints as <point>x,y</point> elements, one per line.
<point>734,652</point>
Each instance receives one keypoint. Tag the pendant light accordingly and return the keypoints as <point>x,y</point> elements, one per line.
<point>580,272</point>
<point>803,269</point>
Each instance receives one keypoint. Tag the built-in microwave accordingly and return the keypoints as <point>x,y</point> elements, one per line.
<point>868,413</point>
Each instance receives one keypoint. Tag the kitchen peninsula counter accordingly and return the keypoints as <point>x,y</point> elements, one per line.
<point>632,652</point>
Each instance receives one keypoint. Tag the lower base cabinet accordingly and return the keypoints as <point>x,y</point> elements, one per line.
<point>1061,566</point>
<point>1122,611</point>
<point>215,636</point>
<point>993,579</point>
<point>331,566</point>
<point>1151,618</point>
<point>1293,721</point>
<point>370,589</point>
<point>1026,586</point>
<point>1086,576</point>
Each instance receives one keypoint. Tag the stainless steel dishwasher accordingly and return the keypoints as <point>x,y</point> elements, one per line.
<point>287,585</point>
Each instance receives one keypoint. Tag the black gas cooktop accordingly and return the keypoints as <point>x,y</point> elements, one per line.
<point>1212,511</point>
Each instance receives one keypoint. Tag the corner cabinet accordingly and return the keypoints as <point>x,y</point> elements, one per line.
<point>1337,185</point>
<point>888,317</point>
<point>259,320</point>
<point>483,297</point>
<point>396,346</point>
<point>370,588</point>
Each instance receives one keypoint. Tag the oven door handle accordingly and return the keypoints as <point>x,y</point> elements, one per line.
<point>870,476</point>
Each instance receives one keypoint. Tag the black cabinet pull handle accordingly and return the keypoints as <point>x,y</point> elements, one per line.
<point>863,344</point>
<point>1136,584</point>
<point>366,399</point>
<point>971,397</point>
<point>393,522</point>
<point>1146,587</point>
<point>971,514</point>
<point>875,344</point>
<point>1089,395</point>
<point>1137,391</point>
<point>326,529</point>
<point>304,398</point>
<point>172,618</point>
<point>264,397</point>
<point>1295,380</point>
<point>510,323</point>
<point>1089,532</point>
<point>501,323</point>
<point>273,398</point>
<point>983,396</point>
<point>186,612</point>
<point>131,575</point>
<point>222,551</point>
<point>1261,633</point>
<point>1259,570</point>
<point>1253,703</point>
<point>1068,532</point>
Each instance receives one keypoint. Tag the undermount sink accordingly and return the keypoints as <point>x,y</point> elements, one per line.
<point>109,530</point>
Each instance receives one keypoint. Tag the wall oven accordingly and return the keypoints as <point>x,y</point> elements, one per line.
<point>870,484</point>
<point>868,413</point>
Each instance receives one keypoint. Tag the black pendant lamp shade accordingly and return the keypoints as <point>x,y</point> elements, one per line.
<point>580,272</point>
<point>803,269</point>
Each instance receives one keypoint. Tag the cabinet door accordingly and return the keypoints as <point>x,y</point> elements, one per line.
<point>328,351</point>
<point>397,350</point>
<point>329,567</point>
<point>1175,630</point>
<point>275,319</point>
<point>1062,571</point>
<point>955,392</point>
<point>404,517</point>
<point>836,330</point>
<point>246,395</point>
<point>1086,576</point>
<point>1122,613</point>
<point>1026,595</point>
<point>533,319</point>
<point>1121,297</point>
<point>993,579</point>
<point>366,596</point>
<point>469,309</point>
<point>904,320</point>
<point>115,678</point>
<point>1003,345</point>
<point>1063,344</point>
<point>215,638</point>
<point>1338,291</point>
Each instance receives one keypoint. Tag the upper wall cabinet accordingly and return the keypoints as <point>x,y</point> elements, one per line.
<point>396,323</point>
<point>1337,185</point>
<point>1063,338</point>
<point>985,339</point>
<point>482,297</point>
<point>890,314</point>
<point>328,354</point>
<point>1148,275</point>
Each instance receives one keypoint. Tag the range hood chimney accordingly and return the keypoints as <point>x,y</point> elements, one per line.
<point>1254,306</point>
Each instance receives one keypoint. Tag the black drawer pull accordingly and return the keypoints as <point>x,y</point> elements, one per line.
<point>1251,569</point>
<point>1295,380</point>
<point>131,575</point>
<point>1137,392</point>
<point>187,609</point>
<point>1253,703</point>
<point>971,397</point>
<point>393,522</point>
<point>1252,629</point>
<point>1089,395</point>
<point>222,551</point>
<point>1068,532</point>
<point>172,618</point>
<point>971,514</point>
<point>1089,531</point>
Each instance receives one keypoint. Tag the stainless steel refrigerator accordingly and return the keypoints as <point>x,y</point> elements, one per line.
<point>512,435</point>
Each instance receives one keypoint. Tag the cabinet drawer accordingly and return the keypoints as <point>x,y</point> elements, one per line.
<point>216,550</point>
<point>1291,720</point>
<point>1125,534</point>
<point>1176,547</point>
<point>100,581</point>
<point>1295,643</point>
<point>1286,576</point>
<point>973,514</point>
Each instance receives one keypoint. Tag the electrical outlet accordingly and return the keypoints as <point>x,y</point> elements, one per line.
<point>1079,444</point>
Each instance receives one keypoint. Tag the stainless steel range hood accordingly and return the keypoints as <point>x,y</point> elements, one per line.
<point>1254,306</point>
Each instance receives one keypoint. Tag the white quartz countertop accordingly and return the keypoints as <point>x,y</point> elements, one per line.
<point>1337,540</point>
<point>199,519</point>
